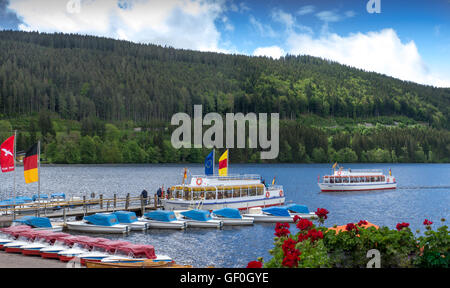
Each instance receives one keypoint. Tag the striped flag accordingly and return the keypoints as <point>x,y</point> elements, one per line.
<point>334,166</point>
<point>273,181</point>
<point>223,164</point>
<point>30,163</point>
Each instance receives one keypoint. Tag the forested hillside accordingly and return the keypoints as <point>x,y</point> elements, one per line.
<point>79,92</point>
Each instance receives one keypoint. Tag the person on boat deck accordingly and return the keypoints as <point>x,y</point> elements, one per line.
<point>144,195</point>
<point>169,193</point>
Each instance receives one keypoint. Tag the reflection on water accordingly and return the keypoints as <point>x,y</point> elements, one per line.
<point>423,192</point>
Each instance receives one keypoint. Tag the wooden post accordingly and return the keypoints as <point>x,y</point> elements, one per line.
<point>115,202</point>
<point>84,204</point>
<point>127,201</point>
<point>142,205</point>
<point>101,201</point>
<point>64,214</point>
<point>107,205</point>
<point>156,201</point>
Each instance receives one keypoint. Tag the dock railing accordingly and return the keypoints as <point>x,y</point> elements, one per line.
<point>83,205</point>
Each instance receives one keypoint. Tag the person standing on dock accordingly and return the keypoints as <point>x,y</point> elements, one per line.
<point>144,195</point>
<point>159,194</point>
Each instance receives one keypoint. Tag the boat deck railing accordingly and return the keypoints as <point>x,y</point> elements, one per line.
<point>230,177</point>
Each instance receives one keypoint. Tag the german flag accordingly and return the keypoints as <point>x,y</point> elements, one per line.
<point>223,164</point>
<point>30,163</point>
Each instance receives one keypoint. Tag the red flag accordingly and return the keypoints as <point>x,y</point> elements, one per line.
<point>7,155</point>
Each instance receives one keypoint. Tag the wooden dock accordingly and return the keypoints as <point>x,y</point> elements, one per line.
<point>79,208</point>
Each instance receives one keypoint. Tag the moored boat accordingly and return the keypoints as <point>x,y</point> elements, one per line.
<point>38,223</point>
<point>42,240</point>
<point>60,244</point>
<point>199,219</point>
<point>99,223</point>
<point>231,216</point>
<point>275,214</point>
<point>357,180</point>
<point>129,218</point>
<point>162,219</point>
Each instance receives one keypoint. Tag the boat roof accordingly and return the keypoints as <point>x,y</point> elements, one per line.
<point>161,215</point>
<point>102,219</point>
<point>358,172</point>
<point>15,229</point>
<point>55,236</point>
<point>69,240</point>
<point>199,215</point>
<point>54,195</point>
<point>277,211</point>
<point>112,245</point>
<point>126,216</point>
<point>92,241</point>
<point>296,208</point>
<point>230,180</point>
<point>37,222</point>
<point>139,251</point>
<point>228,213</point>
<point>41,196</point>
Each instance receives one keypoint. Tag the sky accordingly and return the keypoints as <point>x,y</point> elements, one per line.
<point>405,39</point>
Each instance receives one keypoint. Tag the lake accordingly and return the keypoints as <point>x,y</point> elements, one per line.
<point>423,192</point>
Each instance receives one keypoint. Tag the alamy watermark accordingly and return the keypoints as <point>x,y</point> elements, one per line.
<point>213,136</point>
<point>375,262</point>
<point>374,6</point>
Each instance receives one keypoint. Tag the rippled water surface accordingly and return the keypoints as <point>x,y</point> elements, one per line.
<point>423,192</point>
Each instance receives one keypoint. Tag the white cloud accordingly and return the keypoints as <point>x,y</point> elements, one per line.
<point>329,16</point>
<point>272,51</point>
<point>308,9</point>
<point>185,24</point>
<point>263,29</point>
<point>381,52</point>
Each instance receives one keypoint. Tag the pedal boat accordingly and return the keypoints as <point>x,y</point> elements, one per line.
<point>99,223</point>
<point>162,219</point>
<point>231,216</point>
<point>275,214</point>
<point>129,218</point>
<point>199,219</point>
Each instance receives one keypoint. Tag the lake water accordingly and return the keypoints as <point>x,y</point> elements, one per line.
<point>423,192</point>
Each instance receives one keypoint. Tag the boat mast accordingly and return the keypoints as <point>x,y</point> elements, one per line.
<point>14,189</point>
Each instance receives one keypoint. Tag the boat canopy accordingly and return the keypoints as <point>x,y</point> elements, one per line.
<point>31,234</point>
<point>58,195</point>
<point>296,208</point>
<point>70,240</point>
<point>228,213</point>
<point>24,198</point>
<point>112,245</point>
<point>199,215</point>
<point>126,216</point>
<point>36,222</point>
<point>13,230</point>
<point>42,196</point>
<point>277,211</point>
<point>102,219</point>
<point>92,241</point>
<point>161,215</point>
<point>52,237</point>
<point>139,251</point>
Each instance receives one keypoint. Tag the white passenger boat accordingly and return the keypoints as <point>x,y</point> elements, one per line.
<point>357,180</point>
<point>99,223</point>
<point>198,219</point>
<point>231,216</point>
<point>215,192</point>
<point>162,219</point>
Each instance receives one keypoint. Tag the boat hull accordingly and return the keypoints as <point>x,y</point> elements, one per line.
<point>346,187</point>
<point>84,227</point>
<point>204,224</point>
<point>241,203</point>
<point>258,218</point>
<point>235,222</point>
<point>153,224</point>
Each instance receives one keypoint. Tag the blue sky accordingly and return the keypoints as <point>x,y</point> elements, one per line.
<point>409,40</point>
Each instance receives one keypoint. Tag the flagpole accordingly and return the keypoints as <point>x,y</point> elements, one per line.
<point>14,189</point>
<point>214,161</point>
<point>39,178</point>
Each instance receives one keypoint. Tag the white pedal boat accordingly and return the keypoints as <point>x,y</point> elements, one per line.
<point>99,223</point>
<point>199,219</point>
<point>275,214</point>
<point>135,253</point>
<point>231,216</point>
<point>130,219</point>
<point>162,219</point>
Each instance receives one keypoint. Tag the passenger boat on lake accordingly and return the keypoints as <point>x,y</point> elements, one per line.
<point>357,180</point>
<point>215,192</point>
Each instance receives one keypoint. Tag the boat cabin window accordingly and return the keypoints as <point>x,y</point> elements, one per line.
<point>331,179</point>
<point>345,179</point>
<point>236,193</point>
<point>187,195</point>
<point>244,192</point>
<point>252,191</point>
<point>228,193</point>
<point>210,195</point>
<point>260,190</point>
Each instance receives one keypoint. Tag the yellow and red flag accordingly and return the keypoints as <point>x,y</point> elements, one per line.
<point>223,164</point>
<point>30,163</point>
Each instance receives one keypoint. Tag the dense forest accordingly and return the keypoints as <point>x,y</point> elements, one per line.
<point>98,100</point>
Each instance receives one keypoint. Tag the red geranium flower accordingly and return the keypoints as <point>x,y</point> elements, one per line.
<point>362,222</point>
<point>314,235</point>
<point>288,245</point>
<point>304,224</point>
<point>282,229</point>
<point>254,264</point>
<point>400,226</point>
<point>296,218</point>
<point>291,259</point>
<point>427,222</point>
<point>351,226</point>
<point>322,213</point>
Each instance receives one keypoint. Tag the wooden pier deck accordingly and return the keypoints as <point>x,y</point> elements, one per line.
<point>79,208</point>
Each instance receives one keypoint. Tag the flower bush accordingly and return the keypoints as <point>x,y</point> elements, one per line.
<point>317,246</point>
